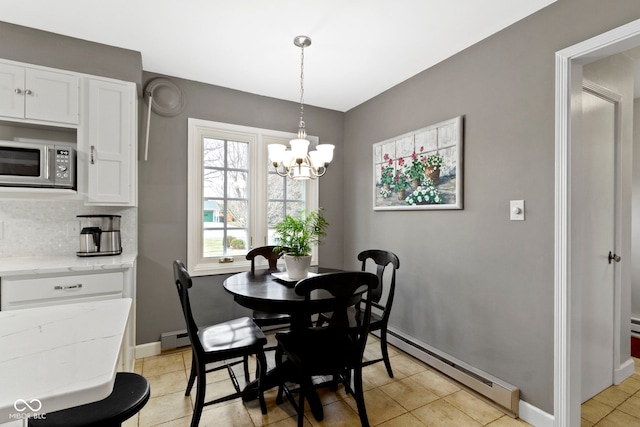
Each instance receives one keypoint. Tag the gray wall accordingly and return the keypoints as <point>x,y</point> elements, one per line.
<point>67,53</point>
<point>635,207</point>
<point>473,283</point>
<point>163,194</point>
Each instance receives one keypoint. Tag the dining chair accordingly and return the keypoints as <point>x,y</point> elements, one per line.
<point>380,316</point>
<point>262,318</point>
<point>334,349</point>
<point>130,394</point>
<point>222,342</point>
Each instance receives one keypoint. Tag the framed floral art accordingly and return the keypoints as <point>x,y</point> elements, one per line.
<point>421,169</point>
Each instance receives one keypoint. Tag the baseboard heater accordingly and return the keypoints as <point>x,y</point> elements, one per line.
<point>175,339</point>
<point>505,395</point>
<point>635,326</point>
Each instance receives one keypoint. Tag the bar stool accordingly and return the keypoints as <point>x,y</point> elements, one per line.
<point>130,394</point>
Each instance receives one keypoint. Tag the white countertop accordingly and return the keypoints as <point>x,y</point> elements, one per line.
<point>63,355</point>
<point>20,266</point>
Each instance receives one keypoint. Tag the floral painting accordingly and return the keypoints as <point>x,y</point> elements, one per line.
<point>421,169</point>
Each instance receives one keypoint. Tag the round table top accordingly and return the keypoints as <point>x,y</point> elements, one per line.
<point>262,291</point>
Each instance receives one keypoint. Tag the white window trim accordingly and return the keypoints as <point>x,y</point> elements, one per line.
<point>198,265</point>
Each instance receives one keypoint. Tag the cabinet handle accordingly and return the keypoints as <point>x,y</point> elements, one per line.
<point>28,92</point>
<point>64,288</point>
<point>18,91</point>
<point>93,149</point>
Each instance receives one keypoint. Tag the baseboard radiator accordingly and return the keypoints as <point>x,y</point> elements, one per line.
<point>635,326</point>
<point>505,395</point>
<point>175,339</point>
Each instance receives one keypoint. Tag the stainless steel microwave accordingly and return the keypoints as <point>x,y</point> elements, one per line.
<point>34,163</point>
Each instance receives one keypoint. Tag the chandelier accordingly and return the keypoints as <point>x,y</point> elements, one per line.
<point>298,162</point>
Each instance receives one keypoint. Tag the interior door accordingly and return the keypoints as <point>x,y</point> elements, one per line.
<point>599,135</point>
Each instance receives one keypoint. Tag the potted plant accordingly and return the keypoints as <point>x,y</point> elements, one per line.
<point>415,170</point>
<point>299,234</point>
<point>433,166</point>
<point>427,194</point>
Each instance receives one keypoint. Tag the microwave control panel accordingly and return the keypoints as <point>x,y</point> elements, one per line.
<point>64,167</point>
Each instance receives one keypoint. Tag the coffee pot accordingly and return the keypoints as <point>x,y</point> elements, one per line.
<point>100,235</point>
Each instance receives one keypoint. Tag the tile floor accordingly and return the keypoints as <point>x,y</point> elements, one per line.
<point>417,396</point>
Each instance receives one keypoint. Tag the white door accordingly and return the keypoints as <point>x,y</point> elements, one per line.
<point>599,135</point>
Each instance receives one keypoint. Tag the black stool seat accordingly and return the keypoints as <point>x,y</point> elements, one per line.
<point>130,394</point>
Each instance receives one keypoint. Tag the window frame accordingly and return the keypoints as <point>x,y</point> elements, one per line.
<point>258,194</point>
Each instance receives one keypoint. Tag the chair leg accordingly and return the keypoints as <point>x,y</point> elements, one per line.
<point>201,387</point>
<point>245,364</point>
<point>262,374</point>
<point>359,396</point>
<point>301,406</point>
<point>192,375</point>
<point>385,353</point>
<point>278,356</point>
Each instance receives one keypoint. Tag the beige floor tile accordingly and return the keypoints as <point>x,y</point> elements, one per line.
<point>436,383</point>
<point>275,413</point>
<point>442,414</point>
<point>631,385</point>
<point>404,366</point>
<point>167,383</point>
<point>336,414</point>
<point>585,423</point>
<point>631,406</point>
<point>131,422</point>
<point>594,411</point>
<point>618,419</point>
<point>404,420</point>
<point>474,407</point>
<point>165,408</point>
<point>375,376</point>
<point>612,396</point>
<point>507,421</point>
<point>162,364</point>
<point>137,366</point>
<point>379,407</point>
<point>409,393</point>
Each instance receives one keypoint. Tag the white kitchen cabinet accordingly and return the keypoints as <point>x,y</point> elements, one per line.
<point>40,291</point>
<point>108,149</point>
<point>47,281</point>
<point>39,95</point>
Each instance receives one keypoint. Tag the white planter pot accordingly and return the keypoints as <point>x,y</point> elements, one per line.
<point>297,267</point>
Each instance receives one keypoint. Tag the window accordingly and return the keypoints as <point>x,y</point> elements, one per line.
<point>235,198</point>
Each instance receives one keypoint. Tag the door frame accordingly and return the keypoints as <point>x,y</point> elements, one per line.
<point>567,306</point>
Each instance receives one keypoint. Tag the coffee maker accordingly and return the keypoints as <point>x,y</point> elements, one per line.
<point>99,235</point>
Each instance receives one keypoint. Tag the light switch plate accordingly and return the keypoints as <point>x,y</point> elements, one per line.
<point>517,210</point>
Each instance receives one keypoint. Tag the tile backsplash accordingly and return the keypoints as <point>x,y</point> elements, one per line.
<point>46,227</point>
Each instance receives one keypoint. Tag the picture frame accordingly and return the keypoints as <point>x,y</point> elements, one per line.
<point>420,170</point>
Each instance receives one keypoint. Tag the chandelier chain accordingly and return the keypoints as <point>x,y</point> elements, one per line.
<point>302,89</point>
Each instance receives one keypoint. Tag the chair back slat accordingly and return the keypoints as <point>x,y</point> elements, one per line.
<point>382,259</point>
<point>267,252</point>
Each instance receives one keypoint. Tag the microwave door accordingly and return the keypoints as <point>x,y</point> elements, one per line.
<point>25,165</point>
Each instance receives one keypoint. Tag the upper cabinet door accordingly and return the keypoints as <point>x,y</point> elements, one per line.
<point>37,95</point>
<point>110,145</point>
<point>52,96</point>
<point>11,91</point>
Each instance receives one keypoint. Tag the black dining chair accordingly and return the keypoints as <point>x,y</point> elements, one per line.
<point>130,394</point>
<point>380,316</point>
<point>221,342</point>
<point>334,349</point>
<point>262,318</point>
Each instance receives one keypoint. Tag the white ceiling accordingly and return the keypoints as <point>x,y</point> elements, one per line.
<point>360,47</point>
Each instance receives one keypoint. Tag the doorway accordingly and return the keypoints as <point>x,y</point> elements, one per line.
<point>568,298</point>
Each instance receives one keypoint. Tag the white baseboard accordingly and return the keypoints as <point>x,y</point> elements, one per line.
<point>534,416</point>
<point>148,349</point>
<point>624,371</point>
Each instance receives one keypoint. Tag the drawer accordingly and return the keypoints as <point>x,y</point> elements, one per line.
<point>22,293</point>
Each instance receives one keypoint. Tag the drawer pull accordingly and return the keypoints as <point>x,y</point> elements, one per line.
<point>64,288</point>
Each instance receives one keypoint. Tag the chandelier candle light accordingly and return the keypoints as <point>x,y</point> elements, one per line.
<point>298,162</point>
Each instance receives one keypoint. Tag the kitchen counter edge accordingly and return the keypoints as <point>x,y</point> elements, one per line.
<point>36,265</point>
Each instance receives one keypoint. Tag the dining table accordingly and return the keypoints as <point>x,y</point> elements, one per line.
<point>273,292</point>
